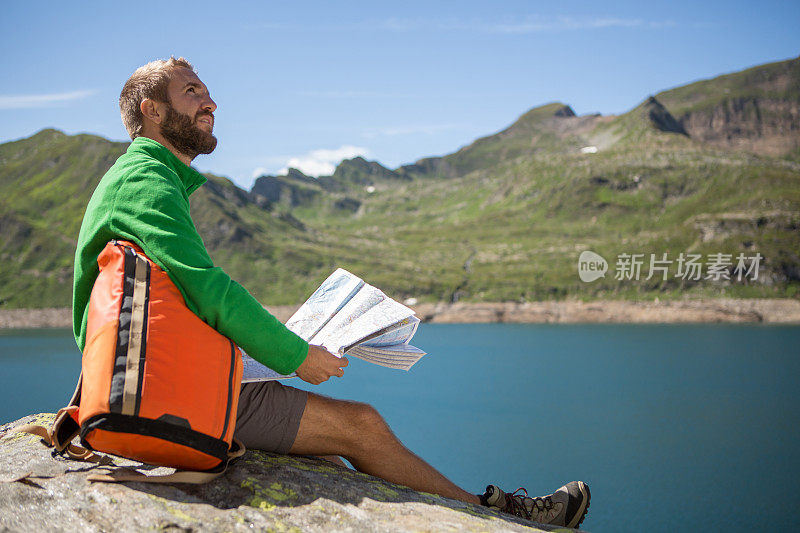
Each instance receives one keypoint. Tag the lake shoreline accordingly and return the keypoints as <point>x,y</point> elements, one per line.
<point>709,310</point>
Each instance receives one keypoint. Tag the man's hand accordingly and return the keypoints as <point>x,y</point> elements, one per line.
<point>319,365</point>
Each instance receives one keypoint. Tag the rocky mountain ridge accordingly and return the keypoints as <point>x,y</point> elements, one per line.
<point>757,109</point>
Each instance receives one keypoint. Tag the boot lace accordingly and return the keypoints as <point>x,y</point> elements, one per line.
<point>537,509</point>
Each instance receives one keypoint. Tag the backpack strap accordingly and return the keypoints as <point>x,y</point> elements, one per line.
<point>118,475</point>
<point>64,428</point>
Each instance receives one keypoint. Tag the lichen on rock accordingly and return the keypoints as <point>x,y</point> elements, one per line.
<point>260,492</point>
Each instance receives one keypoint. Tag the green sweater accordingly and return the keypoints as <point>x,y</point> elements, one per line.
<point>144,198</point>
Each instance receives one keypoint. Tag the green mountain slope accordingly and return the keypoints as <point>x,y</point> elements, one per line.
<point>504,218</point>
<point>46,181</point>
<point>552,128</point>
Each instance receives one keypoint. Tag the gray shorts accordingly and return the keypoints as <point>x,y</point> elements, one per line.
<point>269,415</point>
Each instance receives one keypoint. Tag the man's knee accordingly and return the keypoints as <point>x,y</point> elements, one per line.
<point>353,427</point>
<point>367,422</point>
<point>366,416</point>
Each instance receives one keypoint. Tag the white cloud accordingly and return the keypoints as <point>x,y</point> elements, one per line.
<point>317,162</point>
<point>40,100</point>
<point>259,171</point>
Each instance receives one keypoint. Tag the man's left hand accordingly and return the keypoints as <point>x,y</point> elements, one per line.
<point>320,365</point>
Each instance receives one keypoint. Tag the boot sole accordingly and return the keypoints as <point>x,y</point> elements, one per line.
<point>583,510</point>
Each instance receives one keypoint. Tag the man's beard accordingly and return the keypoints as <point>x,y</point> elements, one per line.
<point>184,135</point>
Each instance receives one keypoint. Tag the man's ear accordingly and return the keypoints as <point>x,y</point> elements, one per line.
<point>152,110</point>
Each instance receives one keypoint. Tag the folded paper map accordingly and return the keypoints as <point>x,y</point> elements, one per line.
<point>349,317</point>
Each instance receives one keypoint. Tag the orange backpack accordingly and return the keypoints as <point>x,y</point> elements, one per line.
<point>158,385</point>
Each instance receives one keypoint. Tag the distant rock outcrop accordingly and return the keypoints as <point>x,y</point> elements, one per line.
<point>429,167</point>
<point>757,109</point>
<point>290,190</point>
<point>260,492</point>
<point>565,111</point>
<point>352,177</point>
<point>660,118</point>
<point>760,125</point>
<point>358,173</point>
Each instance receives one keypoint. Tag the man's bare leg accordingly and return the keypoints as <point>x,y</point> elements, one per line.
<point>358,433</point>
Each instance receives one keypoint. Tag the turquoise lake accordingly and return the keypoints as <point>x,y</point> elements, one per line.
<point>690,427</point>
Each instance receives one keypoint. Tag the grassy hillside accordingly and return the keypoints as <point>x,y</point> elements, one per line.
<point>516,232</point>
<point>45,184</point>
<point>503,219</point>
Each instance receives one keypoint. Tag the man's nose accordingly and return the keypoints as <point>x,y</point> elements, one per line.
<point>209,105</point>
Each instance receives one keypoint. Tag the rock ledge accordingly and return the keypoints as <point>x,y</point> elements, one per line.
<point>262,491</point>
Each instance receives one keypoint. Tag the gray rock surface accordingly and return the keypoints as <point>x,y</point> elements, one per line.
<point>260,492</point>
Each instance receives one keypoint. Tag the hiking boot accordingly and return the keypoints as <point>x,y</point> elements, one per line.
<point>565,507</point>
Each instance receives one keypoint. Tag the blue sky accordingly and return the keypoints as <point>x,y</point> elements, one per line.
<point>307,83</point>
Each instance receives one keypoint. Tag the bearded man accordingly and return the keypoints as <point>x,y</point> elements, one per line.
<point>144,198</point>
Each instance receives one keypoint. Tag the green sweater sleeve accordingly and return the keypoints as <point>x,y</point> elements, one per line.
<point>152,207</point>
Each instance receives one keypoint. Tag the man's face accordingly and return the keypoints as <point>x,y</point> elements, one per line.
<point>189,119</point>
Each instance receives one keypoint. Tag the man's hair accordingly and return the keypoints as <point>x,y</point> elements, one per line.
<point>149,81</point>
